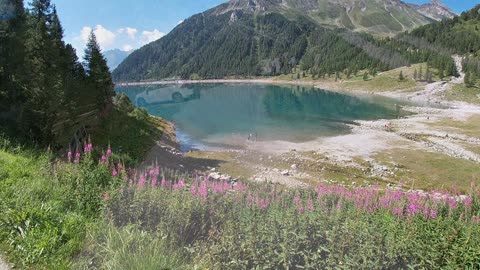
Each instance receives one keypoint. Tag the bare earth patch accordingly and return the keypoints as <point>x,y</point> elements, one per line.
<point>3,265</point>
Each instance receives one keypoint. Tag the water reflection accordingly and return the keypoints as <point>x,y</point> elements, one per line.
<point>219,114</point>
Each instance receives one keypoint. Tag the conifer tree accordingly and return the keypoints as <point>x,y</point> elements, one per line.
<point>365,76</point>
<point>11,56</point>
<point>43,88</point>
<point>98,73</point>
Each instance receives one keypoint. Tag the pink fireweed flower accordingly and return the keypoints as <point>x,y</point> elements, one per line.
<point>77,158</point>
<point>106,196</point>
<point>413,209</point>
<point>398,212</point>
<point>203,191</point>
<point>179,185</point>
<point>69,156</point>
<point>89,146</point>
<point>109,151</point>
<point>103,159</point>
<point>433,214</point>
<point>114,173</point>
<point>142,181</point>
<point>193,191</point>
<point>120,167</point>
<point>468,202</point>
<point>300,208</point>
<point>163,183</point>
<point>154,181</point>
<point>296,200</point>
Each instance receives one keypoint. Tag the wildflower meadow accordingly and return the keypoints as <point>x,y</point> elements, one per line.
<point>91,212</point>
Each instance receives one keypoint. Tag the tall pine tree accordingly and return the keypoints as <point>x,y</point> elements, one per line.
<point>98,74</point>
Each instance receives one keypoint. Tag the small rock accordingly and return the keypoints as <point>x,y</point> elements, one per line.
<point>285,173</point>
<point>213,169</point>
<point>294,167</point>
<point>214,176</point>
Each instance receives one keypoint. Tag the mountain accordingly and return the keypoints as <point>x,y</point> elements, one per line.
<point>115,57</point>
<point>380,17</point>
<point>435,10</point>
<point>272,37</point>
<point>460,34</point>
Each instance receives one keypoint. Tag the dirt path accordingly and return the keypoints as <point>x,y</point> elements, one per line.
<point>3,265</point>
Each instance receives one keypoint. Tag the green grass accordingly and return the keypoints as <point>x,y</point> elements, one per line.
<point>130,131</point>
<point>460,92</point>
<point>129,247</point>
<point>429,170</point>
<point>469,127</point>
<point>48,207</point>
<point>37,227</point>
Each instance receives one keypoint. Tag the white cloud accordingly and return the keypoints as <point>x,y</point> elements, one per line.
<point>150,36</point>
<point>105,37</point>
<point>85,33</point>
<point>127,48</point>
<point>131,32</point>
<point>125,39</point>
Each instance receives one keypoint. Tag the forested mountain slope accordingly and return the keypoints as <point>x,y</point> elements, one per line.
<point>459,35</point>
<point>254,38</point>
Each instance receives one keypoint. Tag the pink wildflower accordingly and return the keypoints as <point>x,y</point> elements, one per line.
<point>120,167</point>
<point>114,173</point>
<point>106,196</point>
<point>77,158</point>
<point>109,151</point>
<point>179,185</point>
<point>154,181</point>
<point>89,146</point>
<point>296,200</point>
<point>142,181</point>
<point>468,202</point>
<point>69,156</point>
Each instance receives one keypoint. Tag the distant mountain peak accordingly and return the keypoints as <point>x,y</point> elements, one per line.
<point>435,10</point>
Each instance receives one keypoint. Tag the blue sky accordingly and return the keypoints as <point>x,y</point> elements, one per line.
<point>127,24</point>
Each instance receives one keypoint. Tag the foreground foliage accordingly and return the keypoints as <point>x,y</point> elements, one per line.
<point>226,226</point>
<point>47,206</point>
<point>158,219</point>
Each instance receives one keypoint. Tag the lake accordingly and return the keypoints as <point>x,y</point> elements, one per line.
<point>228,115</point>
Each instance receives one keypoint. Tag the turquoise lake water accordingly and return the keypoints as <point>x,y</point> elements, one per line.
<point>227,115</point>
